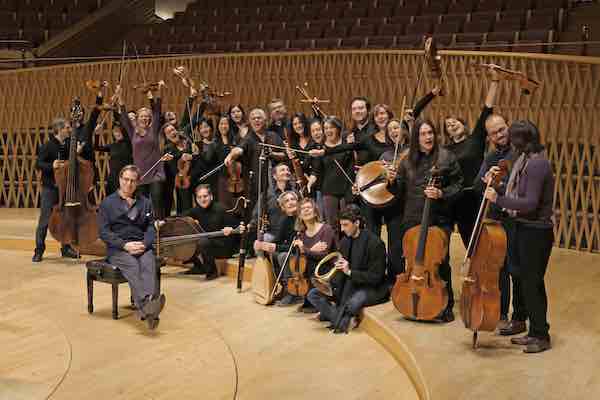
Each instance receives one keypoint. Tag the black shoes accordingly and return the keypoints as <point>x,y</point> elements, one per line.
<point>196,270</point>
<point>69,252</point>
<point>537,345</point>
<point>514,327</point>
<point>445,316</point>
<point>37,256</point>
<point>212,274</point>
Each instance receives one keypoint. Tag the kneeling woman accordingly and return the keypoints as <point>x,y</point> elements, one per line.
<point>528,201</point>
<point>363,266</point>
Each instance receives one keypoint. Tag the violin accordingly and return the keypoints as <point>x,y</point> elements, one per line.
<point>95,85</point>
<point>301,179</point>
<point>480,296</point>
<point>73,219</point>
<point>149,87</point>
<point>527,84</point>
<point>235,182</point>
<point>419,293</point>
<point>182,179</point>
<point>297,284</point>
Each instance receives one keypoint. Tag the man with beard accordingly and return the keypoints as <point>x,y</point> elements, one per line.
<point>279,117</point>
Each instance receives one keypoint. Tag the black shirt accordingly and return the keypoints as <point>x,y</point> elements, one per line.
<point>286,234</point>
<point>360,134</point>
<point>371,148</point>
<point>211,219</point>
<point>120,154</point>
<point>250,158</point>
<point>118,223</point>
<point>49,152</point>
<point>469,153</point>
<point>332,180</point>
<point>85,132</point>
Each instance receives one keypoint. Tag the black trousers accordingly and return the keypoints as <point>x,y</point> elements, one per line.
<point>529,253</point>
<point>169,187</point>
<point>48,199</point>
<point>156,192</point>
<point>464,213</point>
<point>390,216</point>
<point>214,248</point>
<point>184,200</point>
<point>445,271</point>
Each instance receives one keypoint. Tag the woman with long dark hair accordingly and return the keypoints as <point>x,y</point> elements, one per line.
<point>225,140</point>
<point>528,201</point>
<point>239,121</point>
<point>410,183</point>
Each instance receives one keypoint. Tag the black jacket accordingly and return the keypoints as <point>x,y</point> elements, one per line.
<point>367,261</point>
<point>49,152</point>
<point>410,185</point>
<point>213,218</point>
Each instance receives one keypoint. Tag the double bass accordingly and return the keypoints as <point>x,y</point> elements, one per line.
<point>480,296</point>
<point>73,219</point>
<point>420,293</point>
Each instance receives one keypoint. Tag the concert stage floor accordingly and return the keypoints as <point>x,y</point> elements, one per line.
<point>212,341</point>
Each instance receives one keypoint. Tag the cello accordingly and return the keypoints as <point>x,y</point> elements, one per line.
<point>419,293</point>
<point>73,219</point>
<point>480,296</point>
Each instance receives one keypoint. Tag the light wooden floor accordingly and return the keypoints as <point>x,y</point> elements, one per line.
<point>213,343</point>
<point>213,340</point>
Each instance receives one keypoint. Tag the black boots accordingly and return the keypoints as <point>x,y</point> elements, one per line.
<point>37,255</point>
<point>68,252</point>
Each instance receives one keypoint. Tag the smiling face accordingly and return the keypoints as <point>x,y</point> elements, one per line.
<point>205,130</point>
<point>359,111</point>
<point>497,131</point>
<point>128,183</point>
<point>282,173</point>
<point>298,126</point>
<point>171,134</point>
<point>117,133</point>
<point>204,197</point>
<point>307,211</point>
<point>289,204</point>
<point>237,115</point>
<point>394,130</point>
<point>144,118</point>
<point>331,131</point>
<point>278,111</point>
<point>223,126</point>
<point>316,132</point>
<point>258,120</point>
<point>426,138</point>
<point>381,117</point>
<point>171,118</point>
<point>455,128</point>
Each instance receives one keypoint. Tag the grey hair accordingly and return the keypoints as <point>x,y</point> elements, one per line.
<point>58,124</point>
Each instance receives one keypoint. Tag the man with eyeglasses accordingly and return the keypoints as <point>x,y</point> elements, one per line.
<point>126,225</point>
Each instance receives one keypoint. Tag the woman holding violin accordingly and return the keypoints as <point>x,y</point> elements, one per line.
<point>205,154</point>
<point>528,201</point>
<point>410,183</point>
<point>300,138</point>
<point>239,121</point>
<point>179,168</point>
<point>315,240</point>
<point>147,148</point>
<point>230,184</point>
<point>119,155</point>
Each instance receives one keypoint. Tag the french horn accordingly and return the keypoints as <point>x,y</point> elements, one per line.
<point>322,281</point>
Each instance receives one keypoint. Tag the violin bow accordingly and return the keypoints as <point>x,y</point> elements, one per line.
<point>343,172</point>
<point>285,262</point>
<point>274,146</point>
<point>122,70</point>
<point>398,140</point>
<point>137,57</point>
<point>162,158</point>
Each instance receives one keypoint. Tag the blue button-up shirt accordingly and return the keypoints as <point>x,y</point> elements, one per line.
<point>119,223</point>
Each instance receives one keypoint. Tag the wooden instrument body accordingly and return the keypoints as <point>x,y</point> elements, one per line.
<point>180,226</point>
<point>419,292</point>
<point>73,219</point>
<point>235,182</point>
<point>182,179</point>
<point>480,296</point>
<point>263,280</point>
<point>371,180</point>
<point>297,284</point>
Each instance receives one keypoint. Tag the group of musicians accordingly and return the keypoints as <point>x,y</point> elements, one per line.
<point>312,202</point>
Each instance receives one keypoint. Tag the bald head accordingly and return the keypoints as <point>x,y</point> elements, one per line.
<point>497,130</point>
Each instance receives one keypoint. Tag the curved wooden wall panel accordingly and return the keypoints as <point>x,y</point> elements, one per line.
<point>564,107</point>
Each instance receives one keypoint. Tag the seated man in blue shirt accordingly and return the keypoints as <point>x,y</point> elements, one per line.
<point>126,225</point>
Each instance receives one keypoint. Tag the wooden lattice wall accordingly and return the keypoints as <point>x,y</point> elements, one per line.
<point>564,108</point>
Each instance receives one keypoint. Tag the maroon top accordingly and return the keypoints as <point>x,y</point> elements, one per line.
<point>325,234</point>
<point>146,149</point>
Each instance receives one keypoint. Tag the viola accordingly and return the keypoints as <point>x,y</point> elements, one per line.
<point>73,219</point>
<point>182,179</point>
<point>527,84</point>
<point>235,182</point>
<point>301,179</point>
<point>480,296</point>
<point>297,284</point>
<point>419,293</point>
